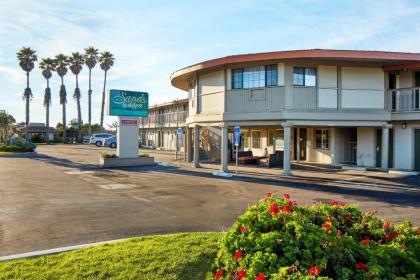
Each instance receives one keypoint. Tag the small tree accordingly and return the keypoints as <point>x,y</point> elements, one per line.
<point>6,126</point>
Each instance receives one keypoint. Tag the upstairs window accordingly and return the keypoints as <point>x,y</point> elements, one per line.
<point>304,76</point>
<point>271,75</point>
<point>254,77</point>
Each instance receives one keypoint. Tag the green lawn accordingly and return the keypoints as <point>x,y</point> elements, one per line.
<point>175,256</point>
<point>6,153</point>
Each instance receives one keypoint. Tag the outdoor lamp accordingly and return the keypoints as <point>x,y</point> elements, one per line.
<point>404,125</point>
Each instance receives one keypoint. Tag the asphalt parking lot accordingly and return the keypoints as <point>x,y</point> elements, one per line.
<point>60,198</point>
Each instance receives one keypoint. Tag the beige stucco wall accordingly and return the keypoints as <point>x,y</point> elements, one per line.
<point>362,87</point>
<point>404,145</point>
<point>317,155</point>
<point>366,153</point>
<point>211,92</point>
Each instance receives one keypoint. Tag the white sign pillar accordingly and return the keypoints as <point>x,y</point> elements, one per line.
<point>128,137</point>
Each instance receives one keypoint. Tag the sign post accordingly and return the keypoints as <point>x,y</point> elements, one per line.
<point>179,130</point>
<point>237,140</point>
<point>128,106</point>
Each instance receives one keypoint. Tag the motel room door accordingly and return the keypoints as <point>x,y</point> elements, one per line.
<point>417,149</point>
<point>390,148</point>
<point>302,143</point>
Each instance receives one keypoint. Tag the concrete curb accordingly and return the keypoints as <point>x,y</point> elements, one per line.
<point>58,250</point>
<point>29,154</point>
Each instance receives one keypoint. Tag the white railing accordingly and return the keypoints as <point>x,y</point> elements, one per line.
<point>165,118</point>
<point>404,99</point>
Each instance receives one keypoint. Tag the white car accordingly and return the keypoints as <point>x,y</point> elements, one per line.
<point>99,138</point>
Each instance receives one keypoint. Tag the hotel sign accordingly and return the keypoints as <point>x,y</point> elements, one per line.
<point>128,103</point>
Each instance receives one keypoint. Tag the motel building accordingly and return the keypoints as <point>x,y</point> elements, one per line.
<point>335,107</point>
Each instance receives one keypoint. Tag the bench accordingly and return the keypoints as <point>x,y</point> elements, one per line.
<point>246,157</point>
<point>272,160</point>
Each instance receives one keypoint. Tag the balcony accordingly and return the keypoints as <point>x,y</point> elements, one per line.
<point>165,119</point>
<point>404,99</point>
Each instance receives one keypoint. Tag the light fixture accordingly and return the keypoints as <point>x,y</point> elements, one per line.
<point>404,125</point>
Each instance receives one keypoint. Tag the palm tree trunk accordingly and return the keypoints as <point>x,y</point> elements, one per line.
<point>90,103</point>
<point>103,105</point>
<point>79,112</point>
<point>64,117</point>
<point>27,109</point>
<point>47,117</point>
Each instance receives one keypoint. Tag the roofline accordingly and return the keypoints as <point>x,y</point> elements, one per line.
<point>184,100</point>
<point>397,57</point>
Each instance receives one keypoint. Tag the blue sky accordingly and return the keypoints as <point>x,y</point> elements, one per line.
<point>152,39</point>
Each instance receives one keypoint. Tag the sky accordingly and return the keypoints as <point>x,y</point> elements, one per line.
<point>152,39</point>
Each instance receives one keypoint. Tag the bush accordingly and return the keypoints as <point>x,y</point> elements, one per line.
<point>17,148</point>
<point>109,155</point>
<point>276,239</point>
<point>143,155</point>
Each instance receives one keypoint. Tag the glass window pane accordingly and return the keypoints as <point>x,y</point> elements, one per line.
<point>271,75</point>
<point>298,76</point>
<point>256,139</point>
<point>310,77</point>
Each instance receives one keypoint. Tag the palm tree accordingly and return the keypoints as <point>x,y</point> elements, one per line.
<point>91,58</point>
<point>27,58</point>
<point>76,64</point>
<point>47,65</point>
<point>106,61</point>
<point>62,62</point>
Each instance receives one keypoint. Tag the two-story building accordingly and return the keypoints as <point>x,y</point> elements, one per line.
<point>324,106</point>
<point>159,129</point>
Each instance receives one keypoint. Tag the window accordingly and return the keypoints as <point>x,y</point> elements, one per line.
<point>276,137</point>
<point>254,77</point>
<point>321,138</point>
<point>271,75</point>
<point>256,139</point>
<point>304,76</point>
<point>237,81</point>
<point>245,139</point>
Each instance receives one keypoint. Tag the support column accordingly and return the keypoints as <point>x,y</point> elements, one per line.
<point>196,146</point>
<point>224,149</point>
<point>189,141</point>
<point>333,146</point>
<point>286,160</point>
<point>385,146</point>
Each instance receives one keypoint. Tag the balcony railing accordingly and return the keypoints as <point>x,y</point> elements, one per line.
<point>166,118</point>
<point>404,99</point>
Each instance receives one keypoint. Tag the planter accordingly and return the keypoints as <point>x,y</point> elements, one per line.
<point>124,162</point>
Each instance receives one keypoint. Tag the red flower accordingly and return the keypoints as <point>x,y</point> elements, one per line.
<point>329,220</point>
<point>241,274</point>
<point>238,255</point>
<point>219,274</point>
<point>260,276</point>
<point>286,196</point>
<point>274,209</point>
<point>387,226</point>
<point>362,266</point>
<point>389,236</point>
<point>336,203</point>
<point>293,202</point>
<point>243,228</point>
<point>314,270</point>
<point>339,233</point>
<point>349,218</point>
<point>418,233</point>
<point>269,194</point>
<point>365,241</point>
<point>287,209</point>
<point>327,227</point>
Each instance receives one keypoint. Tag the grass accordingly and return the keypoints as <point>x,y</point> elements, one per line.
<point>6,153</point>
<point>175,256</point>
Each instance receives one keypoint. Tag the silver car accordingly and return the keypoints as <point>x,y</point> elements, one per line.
<point>99,138</point>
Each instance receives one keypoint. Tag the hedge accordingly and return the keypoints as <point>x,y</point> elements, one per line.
<point>16,148</point>
<point>277,239</point>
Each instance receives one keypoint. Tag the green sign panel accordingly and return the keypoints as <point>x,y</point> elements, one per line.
<point>128,103</point>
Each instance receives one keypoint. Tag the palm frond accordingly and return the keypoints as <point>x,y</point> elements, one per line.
<point>63,95</point>
<point>91,57</point>
<point>106,60</point>
<point>47,96</point>
<point>27,58</point>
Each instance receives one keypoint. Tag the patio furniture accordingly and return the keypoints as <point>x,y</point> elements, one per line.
<point>246,157</point>
<point>272,160</point>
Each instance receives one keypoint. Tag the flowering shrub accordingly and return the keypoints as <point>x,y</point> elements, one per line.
<point>276,239</point>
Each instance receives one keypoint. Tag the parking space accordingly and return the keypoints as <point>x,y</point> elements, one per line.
<point>61,198</point>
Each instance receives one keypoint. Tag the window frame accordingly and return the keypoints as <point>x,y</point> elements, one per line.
<point>245,134</point>
<point>252,139</point>
<point>275,69</point>
<point>241,71</point>
<point>325,142</point>
<point>304,76</point>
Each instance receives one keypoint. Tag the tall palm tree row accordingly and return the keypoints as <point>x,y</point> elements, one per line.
<point>76,65</point>
<point>47,65</point>
<point>106,61</point>
<point>27,58</point>
<point>91,58</point>
<point>62,62</point>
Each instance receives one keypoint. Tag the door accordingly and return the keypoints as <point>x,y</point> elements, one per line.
<point>417,149</point>
<point>302,144</point>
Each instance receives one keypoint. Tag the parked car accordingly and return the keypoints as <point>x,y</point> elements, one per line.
<point>98,139</point>
<point>111,142</point>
